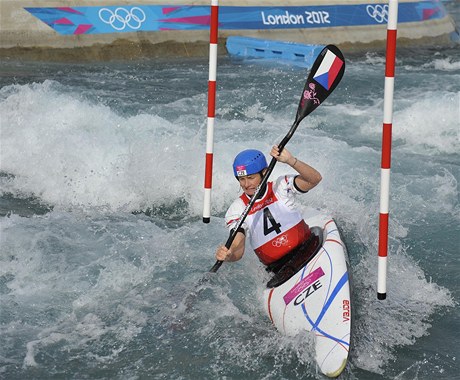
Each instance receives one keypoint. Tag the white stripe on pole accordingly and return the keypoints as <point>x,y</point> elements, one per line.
<point>384,190</point>
<point>382,273</point>
<point>388,100</point>
<point>392,15</point>
<point>212,62</point>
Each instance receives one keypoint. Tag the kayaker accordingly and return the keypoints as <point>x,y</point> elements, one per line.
<point>275,226</point>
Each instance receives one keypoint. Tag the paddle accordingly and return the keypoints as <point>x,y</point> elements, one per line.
<point>325,75</point>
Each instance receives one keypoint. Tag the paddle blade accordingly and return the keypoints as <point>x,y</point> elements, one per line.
<point>325,75</point>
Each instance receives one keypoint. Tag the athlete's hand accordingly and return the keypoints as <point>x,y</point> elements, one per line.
<point>223,253</point>
<point>285,156</point>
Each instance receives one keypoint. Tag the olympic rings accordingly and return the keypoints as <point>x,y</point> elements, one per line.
<point>122,18</point>
<point>379,13</point>
<point>282,240</point>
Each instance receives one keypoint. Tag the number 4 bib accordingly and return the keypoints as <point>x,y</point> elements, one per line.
<point>274,228</point>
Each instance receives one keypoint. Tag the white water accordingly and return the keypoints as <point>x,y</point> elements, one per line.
<point>92,285</point>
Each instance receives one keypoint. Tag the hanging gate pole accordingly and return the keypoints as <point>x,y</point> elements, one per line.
<point>213,35</point>
<point>386,149</point>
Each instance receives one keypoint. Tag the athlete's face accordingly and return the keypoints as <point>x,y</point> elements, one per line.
<point>249,183</point>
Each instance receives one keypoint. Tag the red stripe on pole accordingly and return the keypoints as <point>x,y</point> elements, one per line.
<point>386,146</point>
<point>214,24</point>
<point>208,171</point>
<point>391,53</point>
<point>211,98</point>
<point>383,235</point>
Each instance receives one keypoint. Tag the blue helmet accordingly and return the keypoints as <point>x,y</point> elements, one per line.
<point>247,162</point>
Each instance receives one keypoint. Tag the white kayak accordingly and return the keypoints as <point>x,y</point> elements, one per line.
<point>317,299</point>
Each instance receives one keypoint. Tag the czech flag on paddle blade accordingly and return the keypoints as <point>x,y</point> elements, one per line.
<point>328,70</point>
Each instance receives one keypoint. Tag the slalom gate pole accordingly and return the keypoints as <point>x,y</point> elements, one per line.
<point>213,35</point>
<point>386,148</point>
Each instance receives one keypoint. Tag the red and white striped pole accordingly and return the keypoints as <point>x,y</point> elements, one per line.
<point>386,148</point>
<point>213,35</point>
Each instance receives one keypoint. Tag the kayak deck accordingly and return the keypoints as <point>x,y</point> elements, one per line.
<point>317,299</point>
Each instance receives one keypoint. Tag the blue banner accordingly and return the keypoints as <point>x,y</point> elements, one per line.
<point>147,18</point>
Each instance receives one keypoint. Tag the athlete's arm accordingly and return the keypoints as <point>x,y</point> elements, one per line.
<point>236,250</point>
<point>308,176</point>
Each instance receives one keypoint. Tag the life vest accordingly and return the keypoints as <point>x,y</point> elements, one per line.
<point>274,228</point>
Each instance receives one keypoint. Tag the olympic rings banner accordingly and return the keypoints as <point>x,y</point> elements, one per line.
<point>146,18</point>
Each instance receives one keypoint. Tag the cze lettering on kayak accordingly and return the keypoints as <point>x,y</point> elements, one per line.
<point>346,310</point>
<point>307,292</point>
<point>313,17</point>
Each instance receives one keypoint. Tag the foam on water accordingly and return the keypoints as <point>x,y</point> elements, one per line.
<point>444,64</point>
<point>104,289</point>
<point>74,281</point>
<point>74,153</point>
<point>109,289</point>
<point>428,125</point>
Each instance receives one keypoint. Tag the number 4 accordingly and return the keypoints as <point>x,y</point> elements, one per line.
<point>269,220</point>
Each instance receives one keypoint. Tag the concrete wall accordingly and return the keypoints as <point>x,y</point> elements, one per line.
<point>26,37</point>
